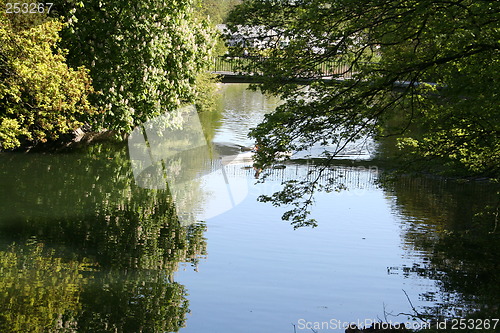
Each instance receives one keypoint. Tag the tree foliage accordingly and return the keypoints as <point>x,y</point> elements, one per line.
<point>143,57</point>
<point>423,71</point>
<point>41,97</point>
<point>216,10</point>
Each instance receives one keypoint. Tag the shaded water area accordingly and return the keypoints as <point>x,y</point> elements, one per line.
<point>83,248</point>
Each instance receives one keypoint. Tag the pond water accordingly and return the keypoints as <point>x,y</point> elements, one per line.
<point>84,248</point>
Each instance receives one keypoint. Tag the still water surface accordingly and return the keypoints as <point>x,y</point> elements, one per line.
<point>83,248</point>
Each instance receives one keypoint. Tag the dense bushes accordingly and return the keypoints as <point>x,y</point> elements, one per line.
<point>41,97</point>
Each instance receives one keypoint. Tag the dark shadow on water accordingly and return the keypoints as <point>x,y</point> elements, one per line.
<point>454,226</point>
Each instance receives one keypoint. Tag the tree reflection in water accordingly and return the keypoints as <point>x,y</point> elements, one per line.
<point>453,225</point>
<point>108,247</point>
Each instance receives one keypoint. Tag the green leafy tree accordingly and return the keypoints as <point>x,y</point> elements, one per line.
<point>143,57</point>
<point>41,97</point>
<point>423,71</point>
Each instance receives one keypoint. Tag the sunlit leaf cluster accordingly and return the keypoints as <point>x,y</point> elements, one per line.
<point>41,97</point>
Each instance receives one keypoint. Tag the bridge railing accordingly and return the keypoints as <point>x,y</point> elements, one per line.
<point>234,64</point>
<point>251,64</point>
<point>352,177</point>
